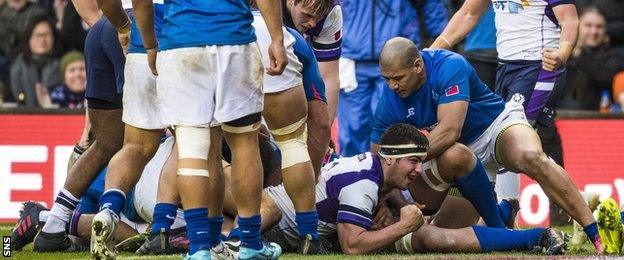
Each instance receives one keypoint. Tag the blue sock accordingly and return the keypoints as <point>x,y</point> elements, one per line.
<point>214,224</point>
<point>505,211</point>
<point>592,231</point>
<point>197,229</point>
<point>114,200</point>
<point>164,216</point>
<point>502,239</point>
<point>234,234</point>
<point>307,223</point>
<point>476,188</point>
<point>622,216</point>
<point>250,232</point>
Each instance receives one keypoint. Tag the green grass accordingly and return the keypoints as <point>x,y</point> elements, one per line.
<point>582,252</point>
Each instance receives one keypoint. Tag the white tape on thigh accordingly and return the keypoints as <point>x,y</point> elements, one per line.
<point>404,245</point>
<point>294,150</point>
<point>240,129</point>
<point>193,143</point>
<point>434,170</point>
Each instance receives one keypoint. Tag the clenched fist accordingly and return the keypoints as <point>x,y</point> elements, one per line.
<point>411,217</point>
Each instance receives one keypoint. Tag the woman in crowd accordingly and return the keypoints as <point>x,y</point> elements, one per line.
<point>71,93</point>
<point>37,67</point>
<point>592,65</point>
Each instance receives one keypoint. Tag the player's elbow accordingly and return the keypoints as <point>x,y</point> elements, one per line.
<point>352,250</point>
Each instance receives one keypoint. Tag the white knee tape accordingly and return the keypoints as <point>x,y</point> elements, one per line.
<point>240,129</point>
<point>294,150</point>
<point>433,166</point>
<point>404,245</point>
<point>193,143</point>
<point>193,172</point>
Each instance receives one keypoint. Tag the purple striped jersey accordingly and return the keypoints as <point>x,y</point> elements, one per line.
<point>348,190</point>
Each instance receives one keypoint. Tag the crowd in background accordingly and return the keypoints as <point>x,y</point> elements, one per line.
<point>41,41</point>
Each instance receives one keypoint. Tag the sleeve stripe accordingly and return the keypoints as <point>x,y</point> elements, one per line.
<point>348,208</point>
<point>362,225</point>
<point>322,46</point>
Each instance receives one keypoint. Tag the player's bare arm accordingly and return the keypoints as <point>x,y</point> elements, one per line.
<point>144,15</point>
<point>451,118</point>
<point>330,71</point>
<point>88,10</point>
<point>355,240</point>
<point>272,13</point>
<point>461,24</point>
<point>567,16</point>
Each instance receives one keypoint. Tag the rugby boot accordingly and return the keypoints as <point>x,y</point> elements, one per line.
<point>55,242</point>
<point>269,251</point>
<point>199,255</point>
<point>160,243</point>
<point>610,227</point>
<point>514,205</point>
<point>27,225</point>
<point>551,242</point>
<point>309,246</point>
<point>223,252</point>
<point>102,229</point>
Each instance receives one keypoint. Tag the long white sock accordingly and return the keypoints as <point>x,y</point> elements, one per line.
<point>61,212</point>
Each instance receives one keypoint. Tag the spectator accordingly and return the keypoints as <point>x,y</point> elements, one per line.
<point>15,17</point>
<point>367,26</point>
<point>70,94</point>
<point>37,66</point>
<point>72,30</point>
<point>593,63</point>
<point>613,11</point>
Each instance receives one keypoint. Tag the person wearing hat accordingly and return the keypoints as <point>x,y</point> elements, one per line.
<point>70,94</point>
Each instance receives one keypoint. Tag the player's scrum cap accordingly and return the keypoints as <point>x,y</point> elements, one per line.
<point>402,150</point>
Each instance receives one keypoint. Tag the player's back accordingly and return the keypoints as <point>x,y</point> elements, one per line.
<point>196,23</point>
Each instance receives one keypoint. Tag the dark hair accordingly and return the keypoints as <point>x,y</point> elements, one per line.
<point>403,134</point>
<point>25,37</point>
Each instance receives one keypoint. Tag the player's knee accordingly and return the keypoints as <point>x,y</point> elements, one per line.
<point>458,159</point>
<point>246,124</point>
<point>531,161</point>
<point>292,142</point>
<point>145,150</point>
<point>193,146</point>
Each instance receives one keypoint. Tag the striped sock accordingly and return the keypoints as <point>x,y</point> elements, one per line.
<point>61,212</point>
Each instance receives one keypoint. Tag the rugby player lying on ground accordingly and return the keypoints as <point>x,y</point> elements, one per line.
<point>349,189</point>
<point>349,214</point>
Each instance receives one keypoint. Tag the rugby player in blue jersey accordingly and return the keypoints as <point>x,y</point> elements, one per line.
<point>440,89</point>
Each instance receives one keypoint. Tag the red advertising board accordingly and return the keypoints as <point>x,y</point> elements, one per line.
<point>34,150</point>
<point>593,154</point>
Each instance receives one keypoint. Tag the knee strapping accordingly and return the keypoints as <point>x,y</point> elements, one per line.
<point>427,177</point>
<point>193,143</point>
<point>244,124</point>
<point>294,150</point>
<point>404,245</point>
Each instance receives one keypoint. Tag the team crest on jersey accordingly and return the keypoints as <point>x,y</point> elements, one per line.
<point>361,157</point>
<point>452,90</point>
<point>518,98</point>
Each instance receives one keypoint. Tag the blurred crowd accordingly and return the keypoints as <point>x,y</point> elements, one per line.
<point>41,41</point>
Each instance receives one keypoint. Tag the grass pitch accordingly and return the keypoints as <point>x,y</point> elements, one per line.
<point>585,251</point>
